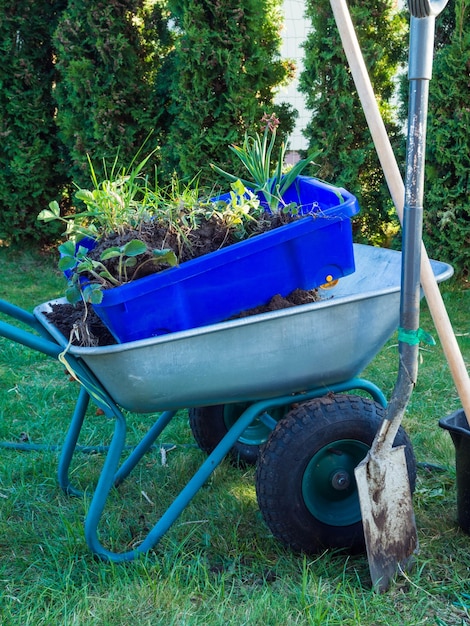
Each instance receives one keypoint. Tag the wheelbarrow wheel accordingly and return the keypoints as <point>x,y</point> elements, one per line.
<point>305,480</point>
<point>209,424</point>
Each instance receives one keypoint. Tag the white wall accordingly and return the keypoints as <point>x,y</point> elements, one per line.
<point>295,31</point>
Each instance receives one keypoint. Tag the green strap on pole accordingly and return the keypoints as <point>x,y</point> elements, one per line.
<point>414,337</point>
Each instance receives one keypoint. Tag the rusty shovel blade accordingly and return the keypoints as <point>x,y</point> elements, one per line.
<point>387,514</point>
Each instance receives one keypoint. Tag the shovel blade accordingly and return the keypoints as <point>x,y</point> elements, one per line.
<point>387,515</point>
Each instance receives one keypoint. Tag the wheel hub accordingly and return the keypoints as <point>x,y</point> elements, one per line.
<point>329,488</point>
<point>258,432</point>
<point>341,480</point>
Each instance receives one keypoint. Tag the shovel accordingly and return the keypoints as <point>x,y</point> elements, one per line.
<point>382,477</point>
<point>442,323</point>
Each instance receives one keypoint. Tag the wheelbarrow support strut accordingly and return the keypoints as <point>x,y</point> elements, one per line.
<point>112,474</point>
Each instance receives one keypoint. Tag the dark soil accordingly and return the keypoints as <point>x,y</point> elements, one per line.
<point>277,302</point>
<point>210,236</point>
<point>84,327</point>
<point>69,318</point>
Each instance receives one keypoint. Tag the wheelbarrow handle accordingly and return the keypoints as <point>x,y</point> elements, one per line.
<point>19,314</point>
<point>44,343</point>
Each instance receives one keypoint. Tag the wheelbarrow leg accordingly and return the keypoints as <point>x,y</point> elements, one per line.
<point>106,483</point>
<point>73,434</point>
<point>113,474</point>
<point>143,446</point>
<point>70,443</point>
<point>110,472</point>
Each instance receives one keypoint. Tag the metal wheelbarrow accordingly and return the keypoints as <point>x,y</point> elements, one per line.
<point>273,388</point>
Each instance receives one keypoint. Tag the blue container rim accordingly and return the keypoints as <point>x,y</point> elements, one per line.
<point>224,256</point>
<point>305,224</point>
<point>348,207</point>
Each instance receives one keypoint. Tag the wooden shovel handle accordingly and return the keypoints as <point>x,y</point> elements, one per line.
<point>397,191</point>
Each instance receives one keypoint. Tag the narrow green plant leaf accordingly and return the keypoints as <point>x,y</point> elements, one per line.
<point>296,170</point>
<point>251,184</point>
<point>103,272</point>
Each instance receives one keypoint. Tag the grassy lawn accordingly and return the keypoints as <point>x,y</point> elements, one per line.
<point>218,564</point>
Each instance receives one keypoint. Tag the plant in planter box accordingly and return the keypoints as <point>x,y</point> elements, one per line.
<point>131,229</point>
<point>168,220</point>
<point>204,288</point>
<point>113,205</point>
<point>76,260</point>
<point>256,154</point>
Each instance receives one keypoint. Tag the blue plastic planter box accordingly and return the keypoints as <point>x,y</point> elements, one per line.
<point>303,254</point>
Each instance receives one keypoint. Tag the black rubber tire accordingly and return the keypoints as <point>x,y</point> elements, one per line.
<point>289,475</point>
<point>209,424</point>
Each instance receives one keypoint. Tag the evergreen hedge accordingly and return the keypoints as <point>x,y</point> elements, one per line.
<point>99,76</point>
<point>108,56</point>
<point>447,186</point>
<point>30,164</point>
<point>225,67</point>
<point>338,125</point>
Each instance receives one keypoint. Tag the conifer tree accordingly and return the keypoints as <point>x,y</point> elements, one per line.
<point>30,165</point>
<point>338,125</point>
<point>447,184</point>
<point>226,66</point>
<point>108,56</point>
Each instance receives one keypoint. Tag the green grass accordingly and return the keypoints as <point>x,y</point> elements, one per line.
<point>218,564</point>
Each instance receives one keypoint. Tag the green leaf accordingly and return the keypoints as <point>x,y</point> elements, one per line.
<point>105,274</point>
<point>111,253</point>
<point>134,248</point>
<point>238,187</point>
<point>298,168</point>
<point>81,252</point>
<point>93,294</point>
<point>85,195</point>
<point>67,248</point>
<point>73,294</point>
<point>52,213</point>
<point>233,178</point>
<point>86,265</point>
<point>66,263</point>
<point>166,255</point>
<point>130,262</point>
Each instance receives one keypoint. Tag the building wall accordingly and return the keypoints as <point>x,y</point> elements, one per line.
<point>295,31</point>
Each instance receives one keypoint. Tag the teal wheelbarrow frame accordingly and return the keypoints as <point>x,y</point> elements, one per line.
<point>114,472</point>
<point>306,358</point>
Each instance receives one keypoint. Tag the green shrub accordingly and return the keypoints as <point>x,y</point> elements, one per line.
<point>225,67</point>
<point>30,164</point>
<point>447,204</point>
<point>338,124</point>
<point>108,56</point>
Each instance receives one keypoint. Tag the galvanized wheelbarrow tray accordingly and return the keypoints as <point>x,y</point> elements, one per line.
<point>271,367</point>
